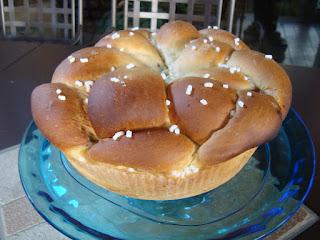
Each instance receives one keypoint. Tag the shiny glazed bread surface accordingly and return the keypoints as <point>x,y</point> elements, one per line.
<point>175,104</point>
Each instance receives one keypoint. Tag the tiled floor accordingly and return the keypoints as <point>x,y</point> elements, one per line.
<point>18,219</point>
<point>303,41</point>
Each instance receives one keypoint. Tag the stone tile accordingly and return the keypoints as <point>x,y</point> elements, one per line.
<point>42,231</point>
<point>19,215</point>
<point>1,225</point>
<point>10,186</point>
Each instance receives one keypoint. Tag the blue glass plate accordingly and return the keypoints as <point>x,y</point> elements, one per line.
<point>257,201</point>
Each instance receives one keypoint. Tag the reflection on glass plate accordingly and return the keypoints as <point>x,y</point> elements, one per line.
<point>258,200</point>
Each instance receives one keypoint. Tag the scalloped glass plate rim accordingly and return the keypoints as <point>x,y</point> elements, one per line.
<point>310,140</point>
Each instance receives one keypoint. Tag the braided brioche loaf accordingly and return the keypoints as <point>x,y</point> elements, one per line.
<point>163,115</point>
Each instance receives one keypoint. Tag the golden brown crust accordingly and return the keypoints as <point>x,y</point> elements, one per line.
<point>145,185</point>
<point>225,37</point>
<point>171,144</point>
<point>172,37</point>
<point>155,150</point>
<point>100,61</point>
<point>266,74</point>
<point>135,44</point>
<point>144,32</point>
<point>126,104</point>
<point>255,123</point>
<point>235,80</point>
<point>194,119</point>
<point>199,55</point>
<point>62,122</point>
